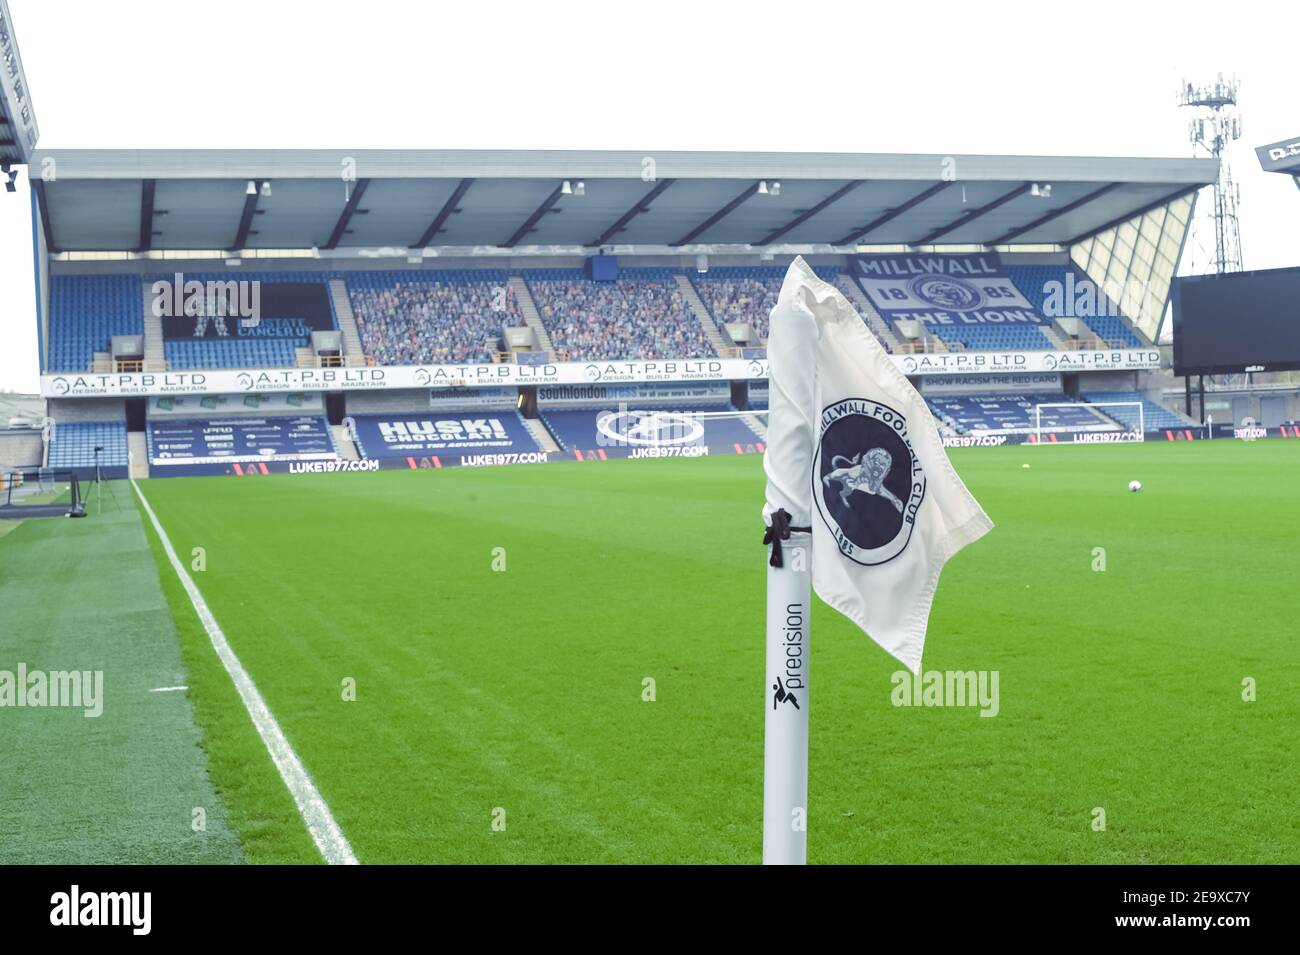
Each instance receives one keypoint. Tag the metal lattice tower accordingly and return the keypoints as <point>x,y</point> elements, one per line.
<point>1216,124</point>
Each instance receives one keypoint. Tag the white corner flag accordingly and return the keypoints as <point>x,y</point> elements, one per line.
<point>861,498</point>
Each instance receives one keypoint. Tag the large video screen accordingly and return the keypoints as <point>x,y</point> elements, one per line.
<point>1243,321</point>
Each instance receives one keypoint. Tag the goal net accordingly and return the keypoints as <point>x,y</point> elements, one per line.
<point>37,492</point>
<point>1089,422</point>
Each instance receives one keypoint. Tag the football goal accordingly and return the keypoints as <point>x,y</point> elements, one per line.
<point>1089,422</point>
<point>39,492</point>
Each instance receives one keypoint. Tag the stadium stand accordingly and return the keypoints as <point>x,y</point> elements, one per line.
<point>72,444</point>
<point>198,446</point>
<point>643,315</point>
<point>232,353</point>
<point>992,337</point>
<point>442,432</point>
<point>86,311</point>
<point>578,433</point>
<point>745,294</point>
<point>452,316</point>
<point>1155,416</point>
<point>1013,414</point>
<point>1034,282</point>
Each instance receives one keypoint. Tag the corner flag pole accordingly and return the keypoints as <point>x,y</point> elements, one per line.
<point>842,415</point>
<point>785,737</point>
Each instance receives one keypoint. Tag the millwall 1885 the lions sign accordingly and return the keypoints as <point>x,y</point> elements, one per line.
<point>944,289</point>
<point>868,483</point>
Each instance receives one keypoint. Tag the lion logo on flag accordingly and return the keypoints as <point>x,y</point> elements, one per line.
<point>868,482</point>
<point>863,472</point>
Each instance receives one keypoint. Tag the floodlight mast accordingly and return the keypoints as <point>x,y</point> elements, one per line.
<point>1214,132</point>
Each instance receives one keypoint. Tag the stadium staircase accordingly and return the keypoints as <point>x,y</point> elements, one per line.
<point>353,354</point>
<point>155,358</point>
<point>853,292</point>
<point>755,424</point>
<point>137,451</point>
<point>1053,336</point>
<point>532,318</point>
<point>543,437</point>
<point>343,443</point>
<point>711,331</point>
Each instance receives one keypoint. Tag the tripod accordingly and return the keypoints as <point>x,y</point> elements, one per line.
<point>99,495</point>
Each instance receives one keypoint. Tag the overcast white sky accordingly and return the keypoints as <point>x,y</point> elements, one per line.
<point>992,77</point>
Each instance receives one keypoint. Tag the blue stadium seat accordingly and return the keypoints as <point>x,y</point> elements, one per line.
<point>992,337</point>
<point>233,351</point>
<point>576,431</point>
<point>443,432</point>
<point>1035,283</point>
<point>86,311</point>
<point>746,294</point>
<point>643,315</point>
<point>1155,416</point>
<point>1014,413</point>
<point>447,316</point>
<point>73,443</point>
<point>199,446</point>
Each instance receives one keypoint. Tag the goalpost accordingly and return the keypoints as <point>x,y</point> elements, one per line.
<point>1089,422</point>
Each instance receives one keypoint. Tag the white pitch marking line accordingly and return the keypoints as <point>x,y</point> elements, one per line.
<point>168,689</point>
<point>325,832</point>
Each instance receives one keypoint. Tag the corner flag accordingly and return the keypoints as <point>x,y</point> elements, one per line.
<point>861,498</point>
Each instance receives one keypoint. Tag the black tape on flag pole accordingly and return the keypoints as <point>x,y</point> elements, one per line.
<point>780,530</point>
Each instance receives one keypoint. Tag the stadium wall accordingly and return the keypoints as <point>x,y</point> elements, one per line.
<point>21,449</point>
<point>87,409</point>
<point>386,402</point>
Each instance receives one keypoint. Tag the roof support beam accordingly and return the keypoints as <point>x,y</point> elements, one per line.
<point>860,233</point>
<point>246,218</point>
<point>349,209</point>
<point>807,214</point>
<point>38,187</point>
<point>711,221</point>
<point>147,187</point>
<point>531,222</point>
<point>1149,207</point>
<point>1055,214</point>
<point>974,214</point>
<point>450,206</point>
<point>642,205</point>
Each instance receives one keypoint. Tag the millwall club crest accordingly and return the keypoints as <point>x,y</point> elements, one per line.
<point>867,482</point>
<point>946,291</point>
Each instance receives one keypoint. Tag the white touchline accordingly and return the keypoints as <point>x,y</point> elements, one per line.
<point>329,838</point>
<point>168,689</point>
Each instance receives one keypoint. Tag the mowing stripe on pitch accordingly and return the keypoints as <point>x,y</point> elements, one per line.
<point>325,832</point>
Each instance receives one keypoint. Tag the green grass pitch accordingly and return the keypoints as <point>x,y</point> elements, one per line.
<point>479,690</point>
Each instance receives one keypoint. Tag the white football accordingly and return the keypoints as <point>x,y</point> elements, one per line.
<point>1135,486</point>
